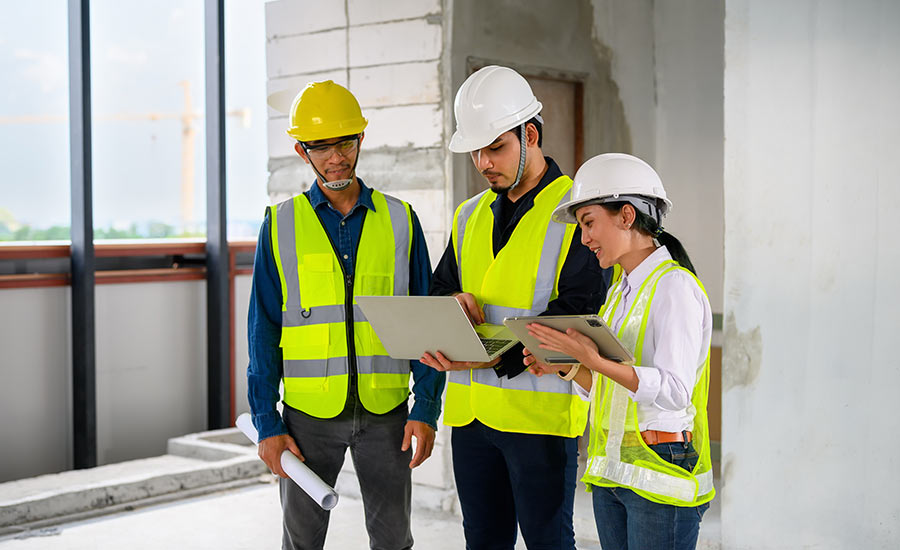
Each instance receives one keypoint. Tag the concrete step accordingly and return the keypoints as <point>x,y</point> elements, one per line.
<point>196,463</point>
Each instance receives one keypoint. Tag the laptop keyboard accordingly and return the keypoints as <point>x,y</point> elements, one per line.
<point>493,345</point>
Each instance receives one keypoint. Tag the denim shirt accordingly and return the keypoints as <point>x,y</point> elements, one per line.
<point>265,371</point>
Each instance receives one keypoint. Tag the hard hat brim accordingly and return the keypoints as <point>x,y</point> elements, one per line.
<point>459,144</point>
<point>329,131</point>
<point>565,213</point>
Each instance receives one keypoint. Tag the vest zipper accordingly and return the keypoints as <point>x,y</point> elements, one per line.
<point>348,303</point>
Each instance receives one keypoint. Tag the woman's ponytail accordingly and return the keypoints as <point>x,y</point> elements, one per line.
<point>676,249</point>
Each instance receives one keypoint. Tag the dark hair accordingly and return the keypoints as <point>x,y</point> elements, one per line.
<point>537,124</point>
<point>647,225</point>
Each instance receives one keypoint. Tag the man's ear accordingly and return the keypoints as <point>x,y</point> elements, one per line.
<point>531,135</point>
<point>300,151</point>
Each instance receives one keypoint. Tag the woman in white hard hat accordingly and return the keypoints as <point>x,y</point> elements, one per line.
<point>648,466</point>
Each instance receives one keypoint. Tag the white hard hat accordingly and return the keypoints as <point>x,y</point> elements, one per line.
<point>612,177</point>
<point>491,101</point>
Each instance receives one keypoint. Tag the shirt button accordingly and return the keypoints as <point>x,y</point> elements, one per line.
<point>343,223</point>
<point>346,257</point>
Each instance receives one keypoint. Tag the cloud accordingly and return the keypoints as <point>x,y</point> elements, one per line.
<point>118,54</point>
<point>49,70</point>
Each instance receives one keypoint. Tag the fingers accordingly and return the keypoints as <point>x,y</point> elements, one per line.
<point>424,447</point>
<point>270,450</point>
<point>440,362</point>
<point>427,359</point>
<point>424,435</point>
<point>293,448</point>
<point>419,456</point>
<point>407,437</point>
<point>471,307</point>
<point>437,361</point>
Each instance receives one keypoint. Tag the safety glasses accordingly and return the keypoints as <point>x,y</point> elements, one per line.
<point>345,148</point>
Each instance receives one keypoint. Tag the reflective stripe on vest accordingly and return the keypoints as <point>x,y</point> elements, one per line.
<point>521,280</point>
<point>315,329</point>
<point>618,455</point>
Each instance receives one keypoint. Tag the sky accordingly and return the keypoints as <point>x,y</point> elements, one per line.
<point>141,52</point>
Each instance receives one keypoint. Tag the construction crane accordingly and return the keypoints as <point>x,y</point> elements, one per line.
<point>188,139</point>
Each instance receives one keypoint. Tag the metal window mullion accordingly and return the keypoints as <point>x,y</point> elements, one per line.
<point>84,379</point>
<point>217,276</point>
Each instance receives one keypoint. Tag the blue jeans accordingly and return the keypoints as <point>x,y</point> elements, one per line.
<point>505,478</point>
<point>628,521</point>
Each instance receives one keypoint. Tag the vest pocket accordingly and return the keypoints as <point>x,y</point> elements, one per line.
<point>317,280</point>
<point>305,343</point>
<point>375,284</point>
<point>390,380</point>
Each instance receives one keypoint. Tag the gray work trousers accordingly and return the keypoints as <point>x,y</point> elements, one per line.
<point>385,479</point>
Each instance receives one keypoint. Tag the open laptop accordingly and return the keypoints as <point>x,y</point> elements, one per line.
<point>408,326</point>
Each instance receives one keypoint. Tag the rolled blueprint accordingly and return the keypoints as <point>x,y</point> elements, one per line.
<point>312,485</point>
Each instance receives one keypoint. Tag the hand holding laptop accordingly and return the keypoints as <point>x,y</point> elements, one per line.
<point>440,362</point>
<point>470,306</point>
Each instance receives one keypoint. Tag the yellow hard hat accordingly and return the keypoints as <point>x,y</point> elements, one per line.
<point>325,110</point>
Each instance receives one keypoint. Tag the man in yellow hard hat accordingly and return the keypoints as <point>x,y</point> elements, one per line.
<point>316,251</point>
<point>514,435</point>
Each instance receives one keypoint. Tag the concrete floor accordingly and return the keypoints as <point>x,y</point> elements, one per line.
<point>247,518</point>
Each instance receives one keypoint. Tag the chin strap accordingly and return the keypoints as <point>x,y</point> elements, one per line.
<point>337,185</point>
<point>521,169</point>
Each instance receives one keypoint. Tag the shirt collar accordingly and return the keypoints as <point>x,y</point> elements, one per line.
<point>317,198</point>
<point>639,274</point>
<point>527,200</point>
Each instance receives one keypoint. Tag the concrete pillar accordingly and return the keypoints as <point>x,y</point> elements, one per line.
<point>812,130</point>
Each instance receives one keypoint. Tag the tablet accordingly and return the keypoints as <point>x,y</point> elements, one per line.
<point>591,326</point>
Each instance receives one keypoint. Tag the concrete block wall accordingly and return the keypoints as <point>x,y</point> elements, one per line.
<point>389,56</point>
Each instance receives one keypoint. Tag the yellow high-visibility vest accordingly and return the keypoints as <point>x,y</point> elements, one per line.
<point>521,280</point>
<point>316,331</point>
<point>617,455</point>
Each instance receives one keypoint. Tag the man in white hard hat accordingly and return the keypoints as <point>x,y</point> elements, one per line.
<point>514,436</point>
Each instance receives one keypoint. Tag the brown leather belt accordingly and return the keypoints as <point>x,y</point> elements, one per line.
<point>653,437</point>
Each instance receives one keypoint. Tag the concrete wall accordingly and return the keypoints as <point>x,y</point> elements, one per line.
<point>241,357</point>
<point>151,366</point>
<point>541,37</point>
<point>667,63</point>
<point>151,372</point>
<point>812,130</point>
<point>389,55</point>
<point>689,55</point>
<point>36,388</point>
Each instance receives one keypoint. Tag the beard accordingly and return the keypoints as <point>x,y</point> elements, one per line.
<point>498,187</point>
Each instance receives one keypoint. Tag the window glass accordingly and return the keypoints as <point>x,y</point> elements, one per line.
<point>34,129</point>
<point>149,172</point>
<point>245,104</point>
